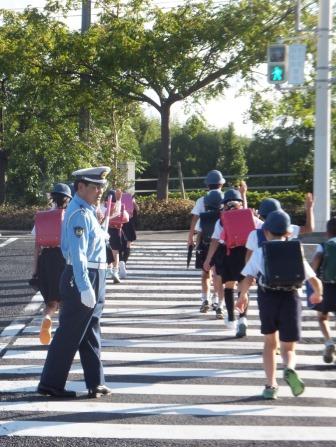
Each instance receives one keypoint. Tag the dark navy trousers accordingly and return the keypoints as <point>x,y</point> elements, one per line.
<point>79,330</point>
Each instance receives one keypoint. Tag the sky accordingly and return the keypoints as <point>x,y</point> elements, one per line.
<point>218,113</point>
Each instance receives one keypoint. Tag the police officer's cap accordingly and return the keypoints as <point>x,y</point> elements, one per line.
<point>214,177</point>
<point>213,199</point>
<point>278,222</point>
<point>232,195</point>
<point>267,206</point>
<point>93,175</point>
<point>62,188</point>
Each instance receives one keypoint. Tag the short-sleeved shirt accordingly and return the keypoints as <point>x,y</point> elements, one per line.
<point>255,265</point>
<point>252,240</point>
<point>198,207</point>
<point>320,249</point>
<point>219,228</point>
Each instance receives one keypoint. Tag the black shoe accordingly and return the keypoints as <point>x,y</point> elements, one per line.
<point>54,392</point>
<point>204,307</point>
<point>100,390</point>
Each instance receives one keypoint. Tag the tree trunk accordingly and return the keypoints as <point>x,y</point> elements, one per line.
<point>165,154</point>
<point>3,158</point>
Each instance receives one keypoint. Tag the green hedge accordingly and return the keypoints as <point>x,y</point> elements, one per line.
<point>159,215</point>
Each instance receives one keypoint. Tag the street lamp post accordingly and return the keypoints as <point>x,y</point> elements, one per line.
<point>323,117</point>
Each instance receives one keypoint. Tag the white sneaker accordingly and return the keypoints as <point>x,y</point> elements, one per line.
<point>231,325</point>
<point>122,270</point>
<point>109,274</point>
<point>115,276</point>
<point>241,327</point>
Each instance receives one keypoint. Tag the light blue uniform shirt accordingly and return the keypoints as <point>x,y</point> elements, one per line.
<point>83,240</point>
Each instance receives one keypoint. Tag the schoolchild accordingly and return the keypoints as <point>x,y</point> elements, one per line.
<point>205,227</point>
<point>213,181</point>
<point>324,262</point>
<point>268,205</point>
<point>117,240</point>
<point>229,265</point>
<point>129,230</point>
<point>48,259</point>
<point>279,307</point>
<point>82,290</point>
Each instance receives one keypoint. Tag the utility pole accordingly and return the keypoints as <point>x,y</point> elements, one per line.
<point>323,117</point>
<point>84,113</point>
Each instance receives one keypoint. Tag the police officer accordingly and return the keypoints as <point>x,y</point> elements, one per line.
<point>82,289</point>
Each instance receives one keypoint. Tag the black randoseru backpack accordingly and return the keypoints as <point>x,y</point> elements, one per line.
<point>283,264</point>
<point>208,220</point>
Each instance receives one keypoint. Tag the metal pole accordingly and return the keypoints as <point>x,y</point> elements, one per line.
<point>322,117</point>
<point>180,175</point>
<point>86,15</point>
<point>298,16</point>
<point>84,113</point>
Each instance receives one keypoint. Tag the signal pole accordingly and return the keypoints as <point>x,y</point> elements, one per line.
<point>323,117</point>
<point>84,113</point>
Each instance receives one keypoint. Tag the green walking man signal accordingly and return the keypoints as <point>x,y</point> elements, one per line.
<point>277,63</point>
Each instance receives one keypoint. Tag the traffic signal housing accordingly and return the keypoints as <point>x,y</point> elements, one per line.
<point>277,63</point>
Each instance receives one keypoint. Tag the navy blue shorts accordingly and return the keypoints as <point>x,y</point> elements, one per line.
<point>117,239</point>
<point>50,266</point>
<point>328,304</point>
<point>129,230</point>
<point>201,254</point>
<point>229,266</point>
<point>280,311</point>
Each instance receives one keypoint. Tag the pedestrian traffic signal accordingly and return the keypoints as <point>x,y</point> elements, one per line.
<point>277,61</point>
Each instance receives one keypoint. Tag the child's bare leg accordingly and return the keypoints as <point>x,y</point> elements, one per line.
<point>269,358</point>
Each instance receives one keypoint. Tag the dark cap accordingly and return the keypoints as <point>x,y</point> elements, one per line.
<point>278,222</point>
<point>267,206</point>
<point>213,199</point>
<point>232,195</point>
<point>214,177</point>
<point>93,175</point>
<point>62,188</point>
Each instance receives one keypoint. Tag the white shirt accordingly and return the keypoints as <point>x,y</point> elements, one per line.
<point>319,248</point>
<point>219,228</point>
<point>198,207</point>
<point>256,264</point>
<point>252,240</point>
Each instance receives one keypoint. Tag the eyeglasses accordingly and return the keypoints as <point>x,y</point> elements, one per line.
<point>96,186</point>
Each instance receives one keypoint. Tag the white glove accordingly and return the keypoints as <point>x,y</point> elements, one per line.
<point>88,298</point>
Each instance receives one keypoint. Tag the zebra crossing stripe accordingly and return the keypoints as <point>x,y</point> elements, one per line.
<point>148,343</point>
<point>169,408</point>
<point>176,432</point>
<point>157,357</point>
<point>25,369</point>
<point>142,388</point>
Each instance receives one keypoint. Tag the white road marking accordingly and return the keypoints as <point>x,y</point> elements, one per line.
<point>158,357</point>
<point>8,241</point>
<point>29,386</point>
<point>170,408</point>
<point>24,369</point>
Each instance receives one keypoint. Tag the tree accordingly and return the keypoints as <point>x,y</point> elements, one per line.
<point>160,57</point>
<point>232,159</point>
<point>42,96</point>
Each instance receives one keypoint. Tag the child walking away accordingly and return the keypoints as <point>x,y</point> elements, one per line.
<point>117,242</point>
<point>268,205</point>
<point>280,269</point>
<point>214,182</point>
<point>129,230</point>
<point>48,259</point>
<point>227,249</point>
<point>324,261</point>
<point>205,227</point>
